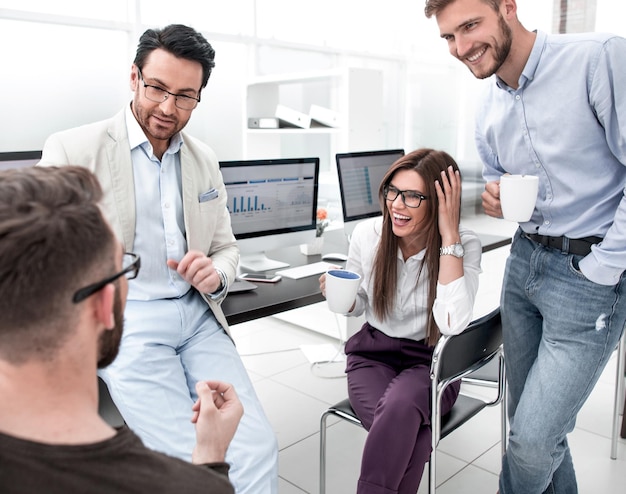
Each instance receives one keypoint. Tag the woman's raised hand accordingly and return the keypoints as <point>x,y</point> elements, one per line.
<point>449,195</point>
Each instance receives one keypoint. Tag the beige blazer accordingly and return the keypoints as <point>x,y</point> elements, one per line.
<point>103,148</point>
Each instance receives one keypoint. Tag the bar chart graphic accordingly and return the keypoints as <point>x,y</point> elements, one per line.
<point>246,204</point>
<point>270,204</point>
<point>358,186</point>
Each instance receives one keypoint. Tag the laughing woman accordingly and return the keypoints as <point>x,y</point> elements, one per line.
<point>419,274</point>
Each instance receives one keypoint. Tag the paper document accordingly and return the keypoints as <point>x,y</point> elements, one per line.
<point>288,117</point>
<point>305,270</point>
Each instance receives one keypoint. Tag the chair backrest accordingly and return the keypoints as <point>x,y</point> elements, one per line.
<point>480,340</point>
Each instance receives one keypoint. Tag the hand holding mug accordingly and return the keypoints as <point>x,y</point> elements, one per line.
<point>518,195</point>
<point>340,288</point>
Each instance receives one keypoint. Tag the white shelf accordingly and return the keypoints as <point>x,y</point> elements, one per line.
<point>298,77</point>
<point>311,130</point>
<point>355,94</point>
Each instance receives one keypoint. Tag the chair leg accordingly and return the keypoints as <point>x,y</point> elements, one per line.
<point>619,395</point>
<point>432,473</point>
<point>623,432</point>
<point>503,410</point>
<point>435,428</point>
<point>322,478</point>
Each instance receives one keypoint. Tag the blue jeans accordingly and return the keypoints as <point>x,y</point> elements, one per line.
<point>559,332</point>
<point>167,346</point>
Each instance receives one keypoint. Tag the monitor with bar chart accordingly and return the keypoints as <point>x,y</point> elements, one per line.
<point>272,204</point>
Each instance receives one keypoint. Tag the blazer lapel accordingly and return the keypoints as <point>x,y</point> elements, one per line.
<point>189,201</point>
<point>122,181</point>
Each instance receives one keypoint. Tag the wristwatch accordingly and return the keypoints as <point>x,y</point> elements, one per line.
<point>455,250</point>
<point>223,279</point>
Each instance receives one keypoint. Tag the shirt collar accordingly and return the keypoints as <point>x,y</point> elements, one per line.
<point>528,73</point>
<point>137,137</point>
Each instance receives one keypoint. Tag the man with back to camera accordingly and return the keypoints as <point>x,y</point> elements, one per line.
<point>63,285</point>
<point>556,109</point>
<point>165,199</point>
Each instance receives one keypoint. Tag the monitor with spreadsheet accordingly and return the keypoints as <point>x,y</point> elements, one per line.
<point>272,204</point>
<point>360,174</point>
<point>19,159</point>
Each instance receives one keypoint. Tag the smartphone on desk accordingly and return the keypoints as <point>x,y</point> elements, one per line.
<point>260,277</point>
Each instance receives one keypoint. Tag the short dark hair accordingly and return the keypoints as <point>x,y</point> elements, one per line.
<point>182,42</point>
<point>53,240</point>
<point>433,7</point>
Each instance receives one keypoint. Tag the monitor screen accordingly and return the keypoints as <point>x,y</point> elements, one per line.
<point>360,174</point>
<point>19,159</point>
<point>272,204</point>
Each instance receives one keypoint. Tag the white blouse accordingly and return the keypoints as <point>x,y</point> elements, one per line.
<point>454,302</point>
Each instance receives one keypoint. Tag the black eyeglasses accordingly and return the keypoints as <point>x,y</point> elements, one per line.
<point>131,264</point>
<point>410,198</point>
<point>159,95</point>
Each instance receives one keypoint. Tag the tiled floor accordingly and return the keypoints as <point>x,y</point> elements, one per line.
<point>295,393</point>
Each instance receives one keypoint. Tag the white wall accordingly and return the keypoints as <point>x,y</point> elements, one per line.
<point>56,76</point>
<point>218,120</point>
<point>610,16</point>
<point>67,62</point>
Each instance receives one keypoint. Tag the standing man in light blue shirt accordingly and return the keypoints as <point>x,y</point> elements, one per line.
<point>555,108</point>
<point>165,199</point>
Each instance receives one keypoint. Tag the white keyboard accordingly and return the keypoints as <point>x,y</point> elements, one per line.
<point>307,270</point>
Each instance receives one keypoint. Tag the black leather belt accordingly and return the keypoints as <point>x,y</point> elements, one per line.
<point>577,246</point>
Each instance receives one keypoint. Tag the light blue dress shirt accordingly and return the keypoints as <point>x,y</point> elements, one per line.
<point>160,227</point>
<point>566,123</point>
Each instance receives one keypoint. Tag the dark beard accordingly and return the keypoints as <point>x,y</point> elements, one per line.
<point>109,343</point>
<point>502,50</point>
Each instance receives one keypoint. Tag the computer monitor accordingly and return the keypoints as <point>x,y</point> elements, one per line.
<point>360,175</point>
<point>19,159</point>
<point>272,204</point>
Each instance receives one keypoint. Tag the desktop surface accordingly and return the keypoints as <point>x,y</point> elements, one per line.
<point>271,298</point>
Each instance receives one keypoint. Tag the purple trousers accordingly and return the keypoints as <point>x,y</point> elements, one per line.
<point>389,389</point>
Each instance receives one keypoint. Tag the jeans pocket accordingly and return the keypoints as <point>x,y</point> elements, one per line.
<point>574,268</point>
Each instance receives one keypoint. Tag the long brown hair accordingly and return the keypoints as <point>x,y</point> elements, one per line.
<point>429,164</point>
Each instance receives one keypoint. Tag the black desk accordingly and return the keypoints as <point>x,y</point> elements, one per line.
<point>271,298</point>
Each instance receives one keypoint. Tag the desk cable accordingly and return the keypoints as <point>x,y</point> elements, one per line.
<point>317,367</point>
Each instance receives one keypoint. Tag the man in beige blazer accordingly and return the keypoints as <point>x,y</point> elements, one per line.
<point>165,199</point>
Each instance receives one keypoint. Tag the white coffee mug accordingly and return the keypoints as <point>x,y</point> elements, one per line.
<point>518,195</point>
<point>341,289</point>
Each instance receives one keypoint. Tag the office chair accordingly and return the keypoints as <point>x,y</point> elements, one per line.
<point>489,376</point>
<point>106,408</point>
<point>454,358</point>
<point>620,399</point>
